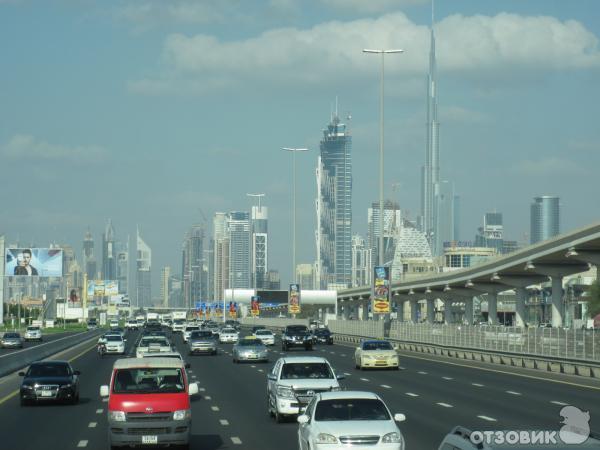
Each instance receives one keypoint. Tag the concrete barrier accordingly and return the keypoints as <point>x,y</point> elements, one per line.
<point>569,369</point>
<point>584,371</point>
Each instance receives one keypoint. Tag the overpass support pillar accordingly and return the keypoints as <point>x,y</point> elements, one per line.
<point>447,311</point>
<point>413,311</point>
<point>430,310</point>
<point>522,295</point>
<point>469,310</point>
<point>557,304</point>
<point>492,299</point>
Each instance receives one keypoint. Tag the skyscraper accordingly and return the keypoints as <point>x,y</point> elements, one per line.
<point>165,278</point>
<point>123,266</point>
<point>89,259</point>
<point>144,265</point>
<point>334,206</point>
<point>492,233</point>
<point>431,171</point>
<point>305,276</point>
<point>260,245</point>
<point>545,218</point>
<point>361,261</point>
<point>445,219</point>
<point>109,257</point>
<point>391,222</point>
<point>220,255</point>
<point>193,265</point>
<point>238,229</point>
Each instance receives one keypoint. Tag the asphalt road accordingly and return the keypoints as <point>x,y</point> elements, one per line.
<point>30,344</point>
<point>230,411</point>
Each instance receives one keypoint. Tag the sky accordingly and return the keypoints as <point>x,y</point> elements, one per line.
<point>157,113</point>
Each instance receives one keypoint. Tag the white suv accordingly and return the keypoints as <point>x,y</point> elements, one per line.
<point>33,334</point>
<point>293,382</point>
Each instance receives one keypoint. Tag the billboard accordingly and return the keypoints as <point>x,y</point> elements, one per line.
<point>255,306</point>
<point>232,310</point>
<point>381,291</point>
<point>43,262</point>
<point>102,288</point>
<point>294,299</point>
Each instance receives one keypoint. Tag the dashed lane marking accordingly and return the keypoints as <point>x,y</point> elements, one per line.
<point>343,355</point>
<point>411,394</point>
<point>422,373</point>
<point>224,422</point>
<point>513,393</point>
<point>364,379</point>
<point>347,374</point>
<point>477,384</point>
<point>194,376</point>
<point>202,389</point>
<point>214,408</point>
<point>236,440</point>
<point>448,378</point>
<point>208,397</point>
<point>386,386</point>
<point>260,370</point>
<point>99,411</point>
<point>82,444</point>
<point>254,367</point>
<point>555,402</point>
<point>489,419</point>
<point>92,425</point>
<point>445,405</point>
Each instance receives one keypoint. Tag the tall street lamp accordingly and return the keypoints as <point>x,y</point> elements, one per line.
<point>294,151</point>
<point>381,52</point>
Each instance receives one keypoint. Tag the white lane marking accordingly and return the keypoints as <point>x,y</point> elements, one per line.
<point>236,440</point>
<point>347,374</point>
<point>208,397</point>
<point>254,367</point>
<point>343,355</point>
<point>82,444</point>
<point>386,386</point>
<point>260,370</point>
<point>202,389</point>
<point>364,379</point>
<point>224,422</point>
<point>105,400</point>
<point>99,411</point>
<point>92,425</point>
<point>190,371</point>
<point>422,373</point>
<point>410,394</point>
<point>401,368</point>
<point>489,419</point>
<point>448,378</point>
<point>214,408</point>
<point>194,376</point>
<point>445,405</point>
<point>477,384</point>
<point>513,393</point>
<point>333,353</point>
<point>558,403</point>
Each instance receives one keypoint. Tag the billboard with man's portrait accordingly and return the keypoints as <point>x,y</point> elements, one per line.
<point>33,262</point>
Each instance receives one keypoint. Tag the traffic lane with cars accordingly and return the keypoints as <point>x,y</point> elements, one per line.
<point>31,344</point>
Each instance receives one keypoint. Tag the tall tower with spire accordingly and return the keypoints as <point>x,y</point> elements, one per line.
<point>109,254</point>
<point>431,171</point>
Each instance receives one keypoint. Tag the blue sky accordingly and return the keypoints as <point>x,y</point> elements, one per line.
<point>145,111</point>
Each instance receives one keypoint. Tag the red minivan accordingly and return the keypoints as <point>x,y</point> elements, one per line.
<point>149,402</point>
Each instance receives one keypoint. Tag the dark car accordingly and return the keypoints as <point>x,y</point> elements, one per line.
<point>50,381</point>
<point>322,336</point>
<point>296,336</point>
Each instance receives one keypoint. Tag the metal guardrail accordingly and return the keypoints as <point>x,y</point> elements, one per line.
<point>569,344</point>
<point>367,328</point>
<point>273,323</point>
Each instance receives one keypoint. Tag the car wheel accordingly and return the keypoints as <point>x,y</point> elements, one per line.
<point>279,417</point>
<point>24,402</point>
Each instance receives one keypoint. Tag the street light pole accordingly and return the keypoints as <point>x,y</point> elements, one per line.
<point>294,150</point>
<point>381,52</point>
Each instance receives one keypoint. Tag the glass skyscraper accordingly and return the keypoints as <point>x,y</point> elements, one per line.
<point>545,218</point>
<point>334,206</point>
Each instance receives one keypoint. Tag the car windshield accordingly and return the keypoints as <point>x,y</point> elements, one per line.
<point>250,343</point>
<point>11,335</point>
<point>351,409</point>
<point>48,370</point>
<point>380,345</point>
<point>322,332</point>
<point>264,333</point>
<point>33,328</point>
<point>114,337</point>
<point>228,330</point>
<point>193,328</point>
<point>291,371</point>
<point>148,381</point>
<point>201,335</point>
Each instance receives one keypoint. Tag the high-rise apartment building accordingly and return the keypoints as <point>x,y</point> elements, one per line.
<point>391,222</point>
<point>273,280</point>
<point>123,266</point>
<point>165,279</point>
<point>334,206</point>
<point>193,265</point>
<point>90,265</point>
<point>259,245</point>
<point>220,255</point>
<point>109,254</point>
<point>305,276</point>
<point>361,261</point>
<point>143,271</point>
<point>545,218</point>
<point>238,228</point>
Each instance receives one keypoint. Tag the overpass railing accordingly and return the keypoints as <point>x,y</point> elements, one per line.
<point>575,344</point>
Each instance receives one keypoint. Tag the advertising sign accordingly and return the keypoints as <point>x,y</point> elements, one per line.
<point>102,288</point>
<point>294,299</point>
<point>43,262</point>
<point>232,310</point>
<point>255,306</point>
<point>381,291</point>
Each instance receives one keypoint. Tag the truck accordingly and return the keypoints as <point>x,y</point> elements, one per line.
<point>179,315</point>
<point>151,316</point>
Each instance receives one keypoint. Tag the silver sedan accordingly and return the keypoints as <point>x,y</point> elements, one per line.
<point>250,350</point>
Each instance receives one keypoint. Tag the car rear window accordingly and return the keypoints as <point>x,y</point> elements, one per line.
<point>351,409</point>
<point>383,345</point>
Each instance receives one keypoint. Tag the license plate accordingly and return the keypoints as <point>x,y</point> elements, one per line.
<point>380,361</point>
<point>252,356</point>
<point>46,393</point>
<point>149,439</point>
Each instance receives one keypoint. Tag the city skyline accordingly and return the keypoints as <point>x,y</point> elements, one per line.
<point>495,157</point>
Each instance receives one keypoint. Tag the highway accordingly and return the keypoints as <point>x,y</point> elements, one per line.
<point>29,344</point>
<point>230,411</point>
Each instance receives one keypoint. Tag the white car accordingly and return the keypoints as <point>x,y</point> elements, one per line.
<point>228,336</point>
<point>115,344</point>
<point>33,334</point>
<point>152,344</point>
<point>103,339</point>
<point>131,324</point>
<point>178,325</point>
<point>266,336</point>
<point>339,420</point>
<point>376,354</point>
<point>188,331</point>
<point>113,324</point>
<point>293,382</point>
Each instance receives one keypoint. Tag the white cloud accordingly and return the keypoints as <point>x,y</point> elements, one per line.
<point>549,166</point>
<point>331,52</point>
<point>27,147</point>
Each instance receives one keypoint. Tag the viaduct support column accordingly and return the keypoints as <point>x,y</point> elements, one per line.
<point>447,311</point>
<point>413,311</point>
<point>492,300</point>
<point>557,303</point>
<point>430,310</point>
